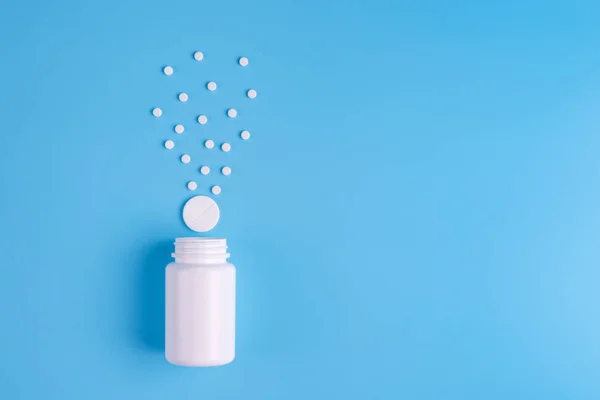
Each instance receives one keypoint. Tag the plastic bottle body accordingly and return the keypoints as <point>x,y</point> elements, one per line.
<point>200,309</point>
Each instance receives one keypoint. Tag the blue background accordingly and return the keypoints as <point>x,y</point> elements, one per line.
<point>416,215</point>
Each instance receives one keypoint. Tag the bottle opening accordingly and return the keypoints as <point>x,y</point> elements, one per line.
<point>189,250</point>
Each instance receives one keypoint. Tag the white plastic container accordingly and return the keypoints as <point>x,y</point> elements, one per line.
<point>200,304</point>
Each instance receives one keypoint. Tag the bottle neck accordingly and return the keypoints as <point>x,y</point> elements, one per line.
<point>200,251</point>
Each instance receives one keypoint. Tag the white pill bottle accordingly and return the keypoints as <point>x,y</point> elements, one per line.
<point>200,304</point>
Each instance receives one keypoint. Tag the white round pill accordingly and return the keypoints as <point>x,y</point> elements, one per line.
<point>232,113</point>
<point>216,189</point>
<point>226,147</point>
<point>169,144</point>
<point>198,56</point>
<point>202,119</point>
<point>205,170</point>
<point>183,97</point>
<point>245,135</point>
<point>243,61</point>
<point>201,213</point>
<point>179,128</point>
<point>157,112</point>
<point>185,158</point>
<point>192,185</point>
<point>211,86</point>
<point>251,93</point>
<point>209,144</point>
<point>226,171</point>
<point>168,70</point>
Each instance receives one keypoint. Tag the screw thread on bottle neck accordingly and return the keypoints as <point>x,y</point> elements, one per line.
<point>200,251</point>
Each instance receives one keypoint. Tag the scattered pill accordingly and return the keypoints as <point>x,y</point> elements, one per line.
<point>185,159</point>
<point>226,147</point>
<point>157,112</point>
<point>168,70</point>
<point>211,86</point>
<point>245,135</point>
<point>192,185</point>
<point>201,213</point>
<point>202,119</point>
<point>209,144</point>
<point>251,93</point>
<point>179,128</point>
<point>198,56</point>
<point>226,171</point>
<point>205,170</point>
<point>183,97</point>
<point>232,113</point>
<point>169,144</point>
<point>243,61</point>
<point>216,189</point>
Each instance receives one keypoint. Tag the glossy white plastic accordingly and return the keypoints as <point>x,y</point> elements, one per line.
<point>200,304</point>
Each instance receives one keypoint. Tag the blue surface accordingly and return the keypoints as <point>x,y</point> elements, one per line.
<point>416,215</point>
